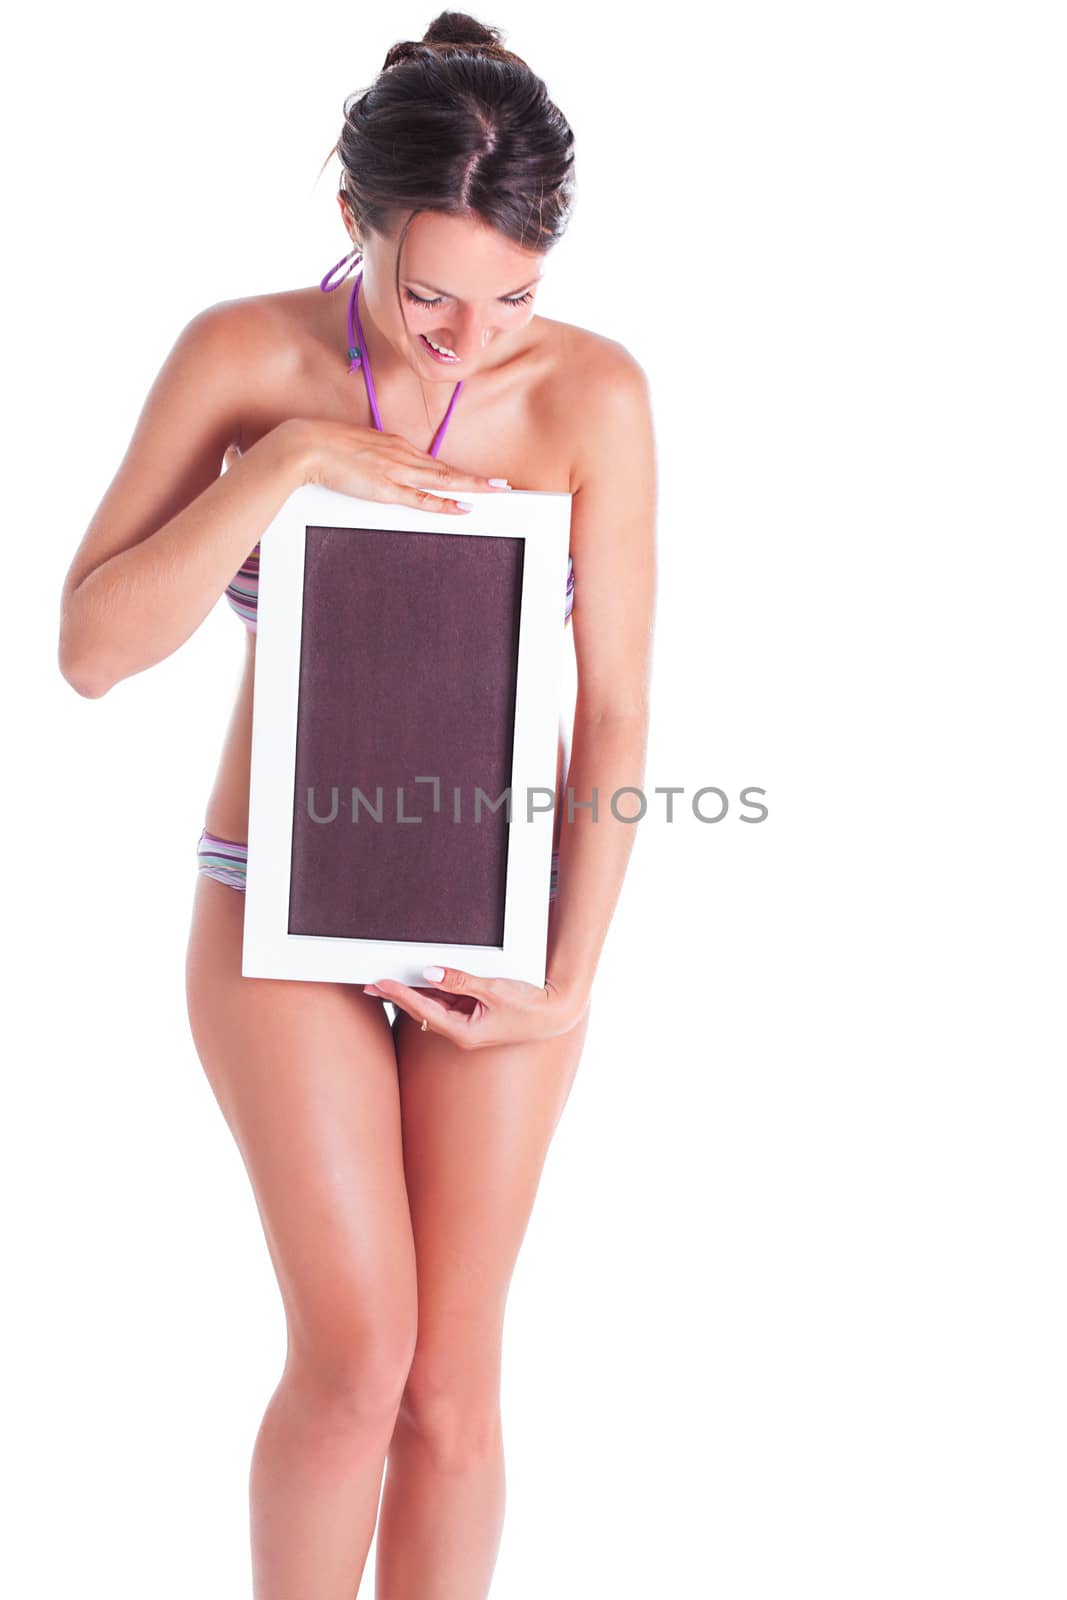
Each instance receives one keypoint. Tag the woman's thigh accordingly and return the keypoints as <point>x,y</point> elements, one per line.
<point>305,1075</point>
<point>477,1128</point>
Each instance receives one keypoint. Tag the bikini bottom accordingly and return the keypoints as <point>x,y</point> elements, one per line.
<point>226,860</point>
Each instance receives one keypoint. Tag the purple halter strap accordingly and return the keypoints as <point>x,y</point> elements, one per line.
<point>359,356</point>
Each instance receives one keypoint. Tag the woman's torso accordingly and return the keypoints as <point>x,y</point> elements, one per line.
<point>513,421</point>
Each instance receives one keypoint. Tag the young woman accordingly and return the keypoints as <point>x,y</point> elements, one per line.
<point>394,1165</point>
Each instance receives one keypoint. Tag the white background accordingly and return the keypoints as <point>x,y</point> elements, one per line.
<point>789,1319</point>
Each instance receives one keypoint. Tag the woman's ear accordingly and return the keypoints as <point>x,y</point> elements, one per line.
<point>349,222</point>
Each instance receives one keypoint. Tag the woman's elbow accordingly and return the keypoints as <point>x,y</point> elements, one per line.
<point>81,678</point>
<point>78,664</point>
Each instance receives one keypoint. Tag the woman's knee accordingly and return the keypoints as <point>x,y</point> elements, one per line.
<point>355,1372</point>
<point>452,1406</point>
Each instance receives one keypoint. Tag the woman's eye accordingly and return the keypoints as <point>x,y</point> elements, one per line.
<point>507,300</point>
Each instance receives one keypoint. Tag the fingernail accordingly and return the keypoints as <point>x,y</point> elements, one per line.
<point>465,505</point>
<point>435,974</point>
<point>371,988</point>
<point>499,483</point>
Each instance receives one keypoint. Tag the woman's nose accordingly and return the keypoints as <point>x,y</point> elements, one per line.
<point>471,333</point>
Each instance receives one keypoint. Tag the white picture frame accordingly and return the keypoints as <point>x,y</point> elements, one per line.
<point>286,639</point>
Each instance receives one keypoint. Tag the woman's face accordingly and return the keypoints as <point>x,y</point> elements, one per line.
<point>462,285</point>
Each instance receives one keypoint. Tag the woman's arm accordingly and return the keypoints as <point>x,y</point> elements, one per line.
<point>613,542</point>
<point>170,532</point>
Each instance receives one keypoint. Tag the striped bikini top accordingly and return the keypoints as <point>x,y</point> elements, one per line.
<point>242,591</point>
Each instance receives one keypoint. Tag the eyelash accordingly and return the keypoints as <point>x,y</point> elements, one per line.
<point>518,300</point>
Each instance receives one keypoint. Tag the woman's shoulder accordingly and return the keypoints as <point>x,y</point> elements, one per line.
<point>593,356</point>
<point>262,329</point>
<point>596,383</point>
<point>274,349</point>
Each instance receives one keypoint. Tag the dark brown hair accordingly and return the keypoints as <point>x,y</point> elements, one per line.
<point>456,123</point>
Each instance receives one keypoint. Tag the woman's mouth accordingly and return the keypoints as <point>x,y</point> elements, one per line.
<point>440,353</point>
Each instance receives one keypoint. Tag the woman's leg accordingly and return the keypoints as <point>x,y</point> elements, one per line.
<point>477,1127</point>
<point>305,1075</point>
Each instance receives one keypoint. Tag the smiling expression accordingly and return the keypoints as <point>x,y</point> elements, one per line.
<point>464,288</point>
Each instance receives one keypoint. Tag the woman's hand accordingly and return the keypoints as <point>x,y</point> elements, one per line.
<point>380,466</point>
<point>477,1012</point>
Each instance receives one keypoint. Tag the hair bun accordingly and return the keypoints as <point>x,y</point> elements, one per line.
<point>455,27</point>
